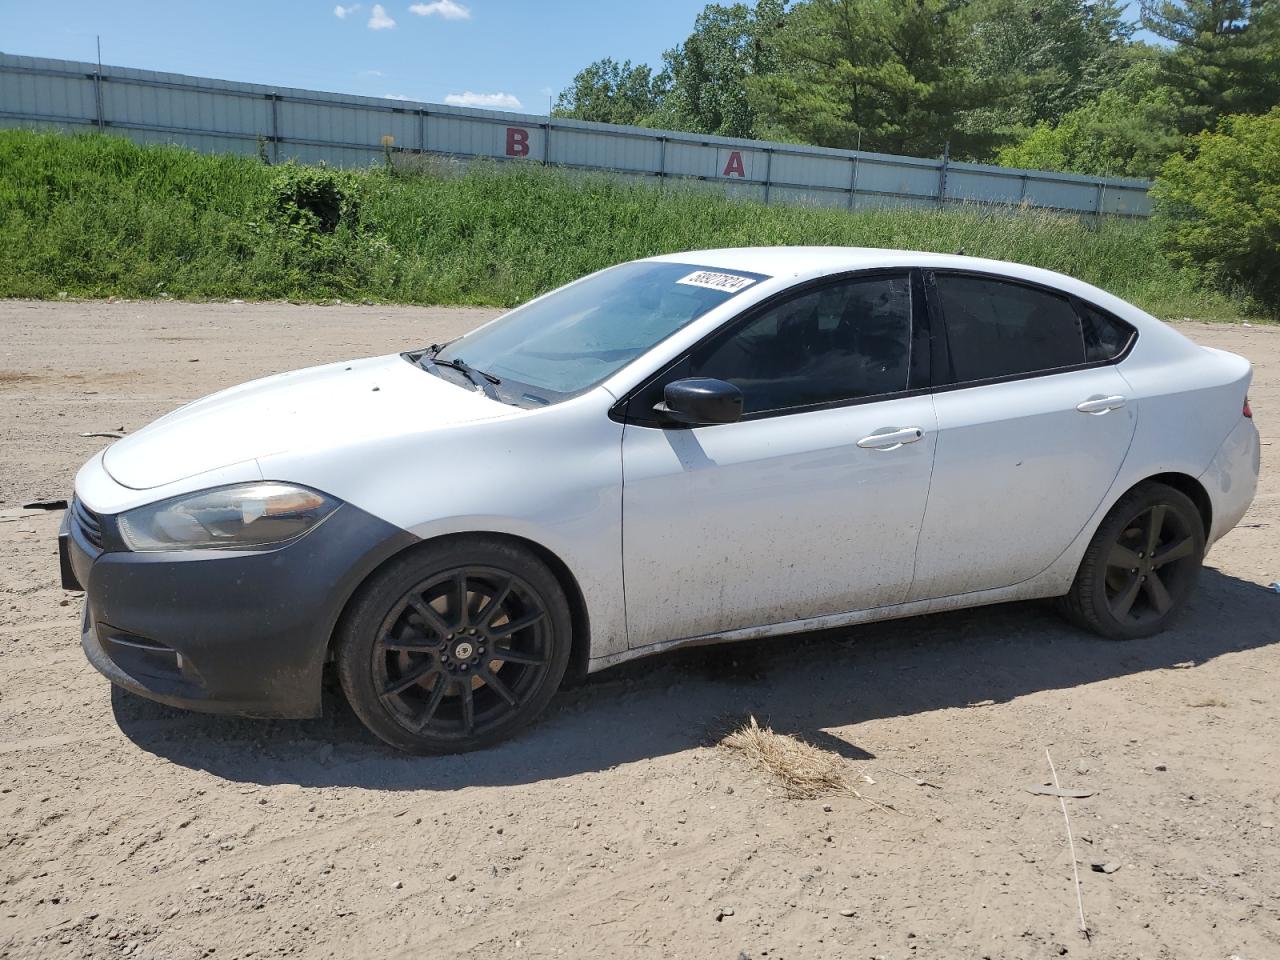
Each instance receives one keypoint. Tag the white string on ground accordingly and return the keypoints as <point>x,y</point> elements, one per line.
<point>1075,866</point>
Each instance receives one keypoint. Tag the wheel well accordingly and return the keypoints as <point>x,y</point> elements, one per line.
<point>581,651</point>
<point>1190,486</point>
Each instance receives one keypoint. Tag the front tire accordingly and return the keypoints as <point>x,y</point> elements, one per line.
<point>1141,567</point>
<point>455,646</point>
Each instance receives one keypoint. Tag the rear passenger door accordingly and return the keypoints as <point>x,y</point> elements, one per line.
<point>1034,422</point>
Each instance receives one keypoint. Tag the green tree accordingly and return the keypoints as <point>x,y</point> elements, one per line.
<point>610,92</point>
<point>888,73</point>
<point>1218,208</point>
<point>710,70</point>
<point>1224,56</point>
<point>1129,130</point>
<point>1051,56</point>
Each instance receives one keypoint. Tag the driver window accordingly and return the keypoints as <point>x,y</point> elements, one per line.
<point>842,341</point>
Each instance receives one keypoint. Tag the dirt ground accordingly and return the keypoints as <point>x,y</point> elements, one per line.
<point>615,828</point>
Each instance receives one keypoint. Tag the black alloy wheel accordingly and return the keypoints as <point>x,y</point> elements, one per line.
<point>455,647</point>
<point>1148,565</point>
<point>1141,566</point>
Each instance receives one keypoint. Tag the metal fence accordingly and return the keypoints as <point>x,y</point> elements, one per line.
<point>222,116</point>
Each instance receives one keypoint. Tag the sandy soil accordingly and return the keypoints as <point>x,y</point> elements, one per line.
<point>614,828</point>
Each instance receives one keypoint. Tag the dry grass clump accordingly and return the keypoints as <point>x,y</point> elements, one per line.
<point>805,771</point>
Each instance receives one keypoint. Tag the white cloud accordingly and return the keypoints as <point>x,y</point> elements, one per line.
<point>446,9</point>
<point>372,73</point>
<point>500,101</point>
<point>378,19</point>
<point>342,12</point>
<point>395,96</point>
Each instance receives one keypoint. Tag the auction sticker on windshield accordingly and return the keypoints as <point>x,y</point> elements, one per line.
<point>728,282</point>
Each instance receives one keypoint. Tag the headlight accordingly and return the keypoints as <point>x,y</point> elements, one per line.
<point>245,517</point>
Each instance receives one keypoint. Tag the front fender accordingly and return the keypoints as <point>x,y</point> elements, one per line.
<point>552,476</point>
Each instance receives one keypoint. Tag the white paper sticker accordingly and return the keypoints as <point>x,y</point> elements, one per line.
<point>728,282</point>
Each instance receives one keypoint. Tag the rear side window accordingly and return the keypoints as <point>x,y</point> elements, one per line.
<point>1105,337</point>
<point>998,329</point>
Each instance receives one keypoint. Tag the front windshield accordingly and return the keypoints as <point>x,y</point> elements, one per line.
<point>579,335</point>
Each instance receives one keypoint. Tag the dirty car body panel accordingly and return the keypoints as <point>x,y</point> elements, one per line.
<point>900,472</point>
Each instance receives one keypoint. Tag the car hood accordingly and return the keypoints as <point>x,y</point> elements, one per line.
<point>320,407</point>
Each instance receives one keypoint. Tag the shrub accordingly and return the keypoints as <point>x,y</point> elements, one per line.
<point>315,198</point>
<point>1218,208</point>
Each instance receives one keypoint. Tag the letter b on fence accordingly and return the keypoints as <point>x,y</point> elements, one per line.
<point>517,142</point>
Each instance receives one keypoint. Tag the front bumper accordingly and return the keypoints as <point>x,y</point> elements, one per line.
<point>237,632</point>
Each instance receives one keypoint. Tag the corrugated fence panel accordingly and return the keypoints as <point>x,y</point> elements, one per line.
<point>146,107</point>
<point>343,130</point>
<point>1064,194</point>
<point>206,143</point>
<point>584,148</point>
<point>1131,201</point>
<point>902,177</point>
<point>801,197</point>
<point>47,97</point>
<point>320,124</point>
<point>965,184</point>
<point>479,137</point>
<point>835,173</point>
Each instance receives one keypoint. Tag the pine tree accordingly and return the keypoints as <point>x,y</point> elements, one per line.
<point>887,73</point>
<point>1225,56</point>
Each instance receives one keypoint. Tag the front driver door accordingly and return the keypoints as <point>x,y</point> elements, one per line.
<point>797,510</point>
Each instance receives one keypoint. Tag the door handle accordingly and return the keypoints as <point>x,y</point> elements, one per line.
<point>891,439</point>
<point>1100,405</point>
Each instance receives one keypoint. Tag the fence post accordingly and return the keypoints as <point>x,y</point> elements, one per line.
<point>422,131</point>
<point>97,87</point>
<point>768,172</point>
<point>97,99</point>
<point>662,162</point>
<point>853,177</point>
<point>1097,204</point>
<point>1022,193</point>
<point>942,174</point>
<point>275,126</point>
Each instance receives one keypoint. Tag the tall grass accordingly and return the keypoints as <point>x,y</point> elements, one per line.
<point>96,216</point>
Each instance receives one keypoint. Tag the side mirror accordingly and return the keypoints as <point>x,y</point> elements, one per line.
<point>700,401</point>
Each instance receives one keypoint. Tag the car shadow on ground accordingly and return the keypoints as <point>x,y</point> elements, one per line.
<point>800,684</point>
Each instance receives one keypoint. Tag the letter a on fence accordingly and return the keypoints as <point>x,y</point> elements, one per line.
<point>733,166</point>
<point>517,142</point>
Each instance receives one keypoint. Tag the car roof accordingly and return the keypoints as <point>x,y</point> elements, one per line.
<point>796,264</point>
<point>796,261</point>
<point>792,265</point>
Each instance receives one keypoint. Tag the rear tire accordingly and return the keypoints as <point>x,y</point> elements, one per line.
<point>1141,566</point>
<point>455,646</point>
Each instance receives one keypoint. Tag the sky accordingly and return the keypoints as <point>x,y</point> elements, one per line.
<point>501,54</point>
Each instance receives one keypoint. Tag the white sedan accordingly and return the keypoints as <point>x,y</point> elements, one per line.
<point>692,448</point>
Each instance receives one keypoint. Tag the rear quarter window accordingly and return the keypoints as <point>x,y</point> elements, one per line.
<point>997,329</point>
<point>1105,336</point>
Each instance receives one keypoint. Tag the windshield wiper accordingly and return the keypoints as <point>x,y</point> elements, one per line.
<point>465,369</point>
<point>478,378</point>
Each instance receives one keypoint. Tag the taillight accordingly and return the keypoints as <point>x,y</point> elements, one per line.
<point>1248,410</point>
